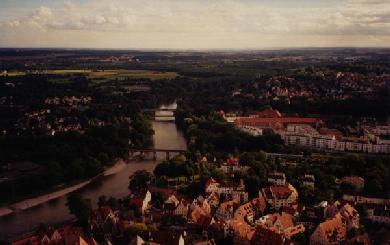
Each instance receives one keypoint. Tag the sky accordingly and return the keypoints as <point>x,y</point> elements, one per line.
<point>194,24</point>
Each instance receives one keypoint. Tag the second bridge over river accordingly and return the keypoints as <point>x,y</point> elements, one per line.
<point>154,151</point>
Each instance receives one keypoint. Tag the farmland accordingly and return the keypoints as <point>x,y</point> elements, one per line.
<point>100,75</point>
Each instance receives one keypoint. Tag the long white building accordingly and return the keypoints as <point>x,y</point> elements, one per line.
<point>304,135</point>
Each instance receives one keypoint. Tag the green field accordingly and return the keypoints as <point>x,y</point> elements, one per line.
<point>105,74</point>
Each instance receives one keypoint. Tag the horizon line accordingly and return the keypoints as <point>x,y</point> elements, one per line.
<point>199,49</point>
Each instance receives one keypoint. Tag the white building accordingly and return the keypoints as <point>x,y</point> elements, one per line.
<point>254,131</point>
<point>308,137</point>
<point>280,196</point>
<point>308,181</point>
<point>277,178</point>
<point>379,215</point>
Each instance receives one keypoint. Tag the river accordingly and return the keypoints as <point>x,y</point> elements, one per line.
<point>166,136</point>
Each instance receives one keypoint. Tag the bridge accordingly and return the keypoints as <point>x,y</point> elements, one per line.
<point>167,152</point>
<point>159,109</point>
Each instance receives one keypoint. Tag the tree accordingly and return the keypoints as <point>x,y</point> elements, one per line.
<point>374,186</point>
<point>139,229</point>
<point>102,200</point>
<point>54,172</point>
<point>347,188</point>
<point>75,169</point>
<point>140,180</point>
<point>79,207</point>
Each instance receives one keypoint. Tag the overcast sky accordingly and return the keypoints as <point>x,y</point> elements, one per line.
<point>194,24</point>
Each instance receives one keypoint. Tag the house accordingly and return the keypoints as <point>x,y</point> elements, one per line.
<point>355,181</point>
<point>260,122</point>
<point>235,168</point>
<point>366,200</point>
<point>171,237</point>
<point>350,216</point>
<point>45,240</point>
<point>330,131</point>
<point>308,181</point>
<point>213,199</point>
<point>141,201</point>
<point>219,229</point>
<point>294,230</point>
<point>278,221</point>
<point>267,113</point>
<point>243,232</point>
<point>200,217</point>
<point>139,241</point>
<point>201,203</point>
<point>249,211</point>
<point>280,196</point>
<point>73,239</point>
<point>207,242</point>
<point>105,221</point>
<point>211,186</point>
<point>164,192</point>
<point>232,161</point>
<point>379,214</point>
<point>146,201</point>
<point>170,204</point>
<point>181,209</point>
<point>254,131</point>
<point>277,178</point>
<point>225,210</point>
<point>281,222</point>
<point>331,210</point>
<point>334,230</point>
<point>56,237</point>
<point>33,240</point>
<point>236,193</point>
<point>266,236</point>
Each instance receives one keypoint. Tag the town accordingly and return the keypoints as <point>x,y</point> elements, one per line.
<point>140,148</point>
<point>223,214</point>
<point>195,122</point>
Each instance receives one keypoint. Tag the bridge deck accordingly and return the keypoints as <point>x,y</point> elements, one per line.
<point>158,150</point>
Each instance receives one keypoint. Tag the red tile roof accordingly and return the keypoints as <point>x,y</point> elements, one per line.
<point>242,229</point>
<point>265,236</point>
<point>232,161</point>
<point>210,181</point>
<point>136,201</point>
<point>331,131</point>
<point>268,113</point>
<point>281,192</point>
<point>333,229</point>
<point>105,211</point>
<point>257,120</point>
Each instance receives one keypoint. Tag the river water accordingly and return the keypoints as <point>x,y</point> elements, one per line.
<point>166,136</point>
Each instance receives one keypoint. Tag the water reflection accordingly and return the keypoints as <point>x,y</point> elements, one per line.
<point>166,136</point>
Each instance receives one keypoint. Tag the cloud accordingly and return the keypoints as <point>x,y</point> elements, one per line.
<point>68,4</point>
<point>225,15</point>
<point>222,19</point>
<point>14,23</point>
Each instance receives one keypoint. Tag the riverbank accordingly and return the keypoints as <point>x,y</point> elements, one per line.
<point>166,136</point>
<point>35,201</point>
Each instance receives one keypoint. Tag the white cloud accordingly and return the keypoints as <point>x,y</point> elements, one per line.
<point>68,4</point>
<point>222,19</point>
<point>14,23</point>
